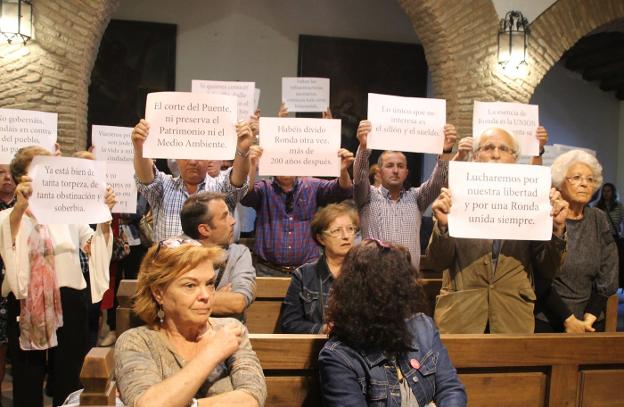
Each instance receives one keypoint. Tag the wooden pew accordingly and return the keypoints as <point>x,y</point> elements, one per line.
<point>262,315</point>
<point>497,370</point>
<point>96,376</point>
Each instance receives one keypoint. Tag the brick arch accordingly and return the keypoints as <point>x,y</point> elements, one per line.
<point>55,73</point>
<point>459,39</point>
<point>561,26</point>
<point>460,43</point>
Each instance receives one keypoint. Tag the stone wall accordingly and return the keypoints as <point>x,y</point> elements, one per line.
<point>459,37</point>
<point>52,73</point>
<point>460,42</point>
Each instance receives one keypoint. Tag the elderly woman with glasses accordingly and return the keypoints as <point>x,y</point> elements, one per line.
<point>333,228</point>
<point>576,299</point>
<point>382,350</point>
<point>183,357</point>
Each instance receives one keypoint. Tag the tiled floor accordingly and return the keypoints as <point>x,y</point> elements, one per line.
<point>7,392</point>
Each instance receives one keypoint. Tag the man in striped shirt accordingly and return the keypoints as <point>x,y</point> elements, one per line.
<point>392,213</point>
<point>166,194</point>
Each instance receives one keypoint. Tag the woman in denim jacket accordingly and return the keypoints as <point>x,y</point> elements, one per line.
<point>382,350</point>
<point>333,228</point>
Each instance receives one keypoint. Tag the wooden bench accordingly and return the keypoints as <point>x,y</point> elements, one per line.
<point>497,370</point>
<point>262,315</point>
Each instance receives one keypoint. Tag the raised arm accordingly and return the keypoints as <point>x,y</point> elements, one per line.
<point>240,168</point>
<point>143,167</point>
<point>430,189</point>
<point>441,248</point>
<point>361,183</point>
<point>23,191</point>
<point>542,138</point>
<point>346,160</point>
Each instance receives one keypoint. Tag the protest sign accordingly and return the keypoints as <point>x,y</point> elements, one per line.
<point>112,144</point>
<point>245,93</point>
<point>499,201</point>
<point>21,128</point>
<point>120,176</point>
<point>68,190</point>
<point>519,119</point>
<point>256,99</point>
<point>300,147</point>
<point>305,94</point>
<point>190,126</point>
<point>406,123</point>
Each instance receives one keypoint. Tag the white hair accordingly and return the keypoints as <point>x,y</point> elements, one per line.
<point>476,141</point>
<point>560,166</point>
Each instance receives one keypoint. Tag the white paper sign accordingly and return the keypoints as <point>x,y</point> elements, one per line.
<point>305,94</point>
<point>245,93</point>
<point>68,190</point>
<point>112,144</point>
<point>256,99</point>
<point>120,176</point>
<point>190,126</point>
<point>517,118</point>
<point>406,123</point>
<point>21,128</point>
<point>499,201</point>
<point>300,147</point>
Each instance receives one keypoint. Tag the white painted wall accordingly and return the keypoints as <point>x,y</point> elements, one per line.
<point>531,9</point>
<point>257,40</point>
<point>578,113</point>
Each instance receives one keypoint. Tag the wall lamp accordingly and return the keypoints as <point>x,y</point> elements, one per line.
<point>513,39</point>
<point>16,20</point>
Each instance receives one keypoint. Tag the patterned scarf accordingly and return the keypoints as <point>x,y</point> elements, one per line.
<point>40,313</point>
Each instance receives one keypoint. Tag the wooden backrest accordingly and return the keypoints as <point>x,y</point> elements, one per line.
<point>97,378</point>
<point>262,315</point>
<point>497,370</point>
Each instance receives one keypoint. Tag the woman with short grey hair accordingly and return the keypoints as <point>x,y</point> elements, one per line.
<point>576,299</point>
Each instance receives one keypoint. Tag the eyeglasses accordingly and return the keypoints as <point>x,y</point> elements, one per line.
<point>174,242</point>
<point>577,179</point>
<point>489,149</point>
<point>349,230</point>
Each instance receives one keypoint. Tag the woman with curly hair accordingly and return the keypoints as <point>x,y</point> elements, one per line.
<point>382,349</point>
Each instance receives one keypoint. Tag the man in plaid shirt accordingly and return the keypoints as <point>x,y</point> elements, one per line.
<point>392,213</point>
<point>166,194</point>
<point>285,206</point>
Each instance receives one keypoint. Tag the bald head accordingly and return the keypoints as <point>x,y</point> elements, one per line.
<point>496,145</point>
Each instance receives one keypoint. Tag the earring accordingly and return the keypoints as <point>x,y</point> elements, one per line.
<point>160,314</point>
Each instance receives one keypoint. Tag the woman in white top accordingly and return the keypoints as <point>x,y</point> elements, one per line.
<point>47,291</point>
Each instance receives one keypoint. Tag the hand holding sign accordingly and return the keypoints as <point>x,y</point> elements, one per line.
<point>364,128</point>
<point>441,208</point>
<point>559,212</point>
<point>109,198</point>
